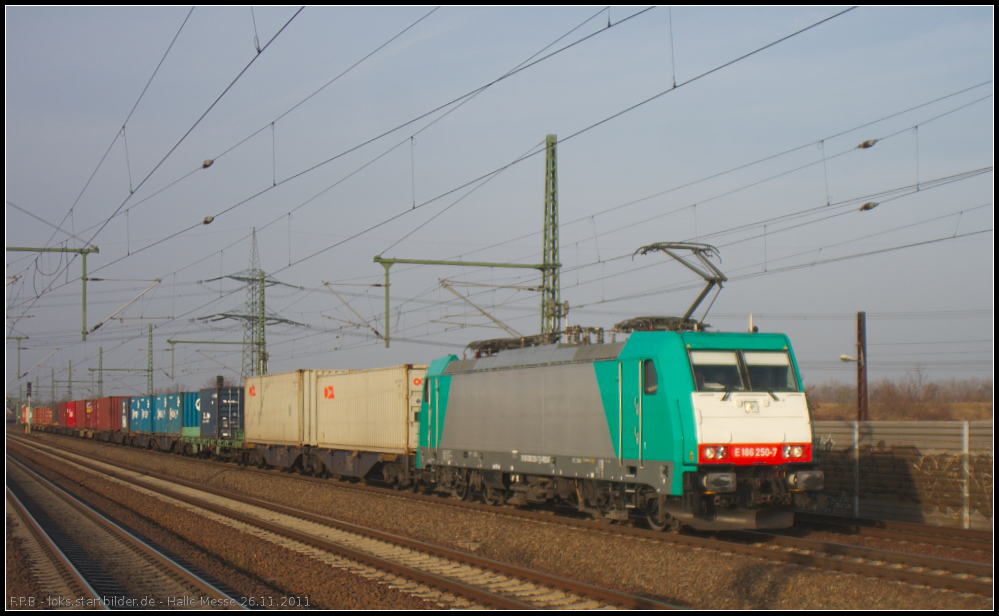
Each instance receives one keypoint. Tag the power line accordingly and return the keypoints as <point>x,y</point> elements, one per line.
<point>536,151</point>
<point>747,165</point>
<point>198,121</point>
<point>119,133</point>
<point>301,173</point>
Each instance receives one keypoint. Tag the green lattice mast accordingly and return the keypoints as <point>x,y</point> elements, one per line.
<point>552,310</point>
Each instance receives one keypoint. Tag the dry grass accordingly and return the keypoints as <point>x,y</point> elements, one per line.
<point>912,398</point>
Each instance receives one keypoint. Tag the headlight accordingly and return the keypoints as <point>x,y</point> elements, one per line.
<point>709,453</point>
<point>793,451</point>
<point>718,482</point>
<point>806,480</point>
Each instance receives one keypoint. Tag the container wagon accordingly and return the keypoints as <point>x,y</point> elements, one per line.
<point>352,424</point>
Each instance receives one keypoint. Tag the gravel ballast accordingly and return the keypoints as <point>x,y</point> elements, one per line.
<point>265,574</point>
<point>684,576</point>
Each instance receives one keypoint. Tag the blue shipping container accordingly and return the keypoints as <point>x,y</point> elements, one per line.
<point>166,416</point>
<point>142,415</point>
<point>191,413</point>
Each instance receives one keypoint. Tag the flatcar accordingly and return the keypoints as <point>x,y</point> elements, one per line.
<point>349,424</point>
<point>709,430</point>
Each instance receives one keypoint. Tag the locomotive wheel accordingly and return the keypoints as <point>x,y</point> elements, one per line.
<point>493,497</point>
<point>460,490</point>
<point>657,519</point>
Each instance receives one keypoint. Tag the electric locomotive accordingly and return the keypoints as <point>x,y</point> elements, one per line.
<point>710,430</point>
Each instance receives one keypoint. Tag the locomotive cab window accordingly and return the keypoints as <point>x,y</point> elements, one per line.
<point>770,371</point>
<point>649,377</point>
<point>716,371</point>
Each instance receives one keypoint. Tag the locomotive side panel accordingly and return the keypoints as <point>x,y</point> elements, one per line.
<point>554,410</point>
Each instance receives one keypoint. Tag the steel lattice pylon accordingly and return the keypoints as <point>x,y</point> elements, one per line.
<point>552,310</point>
<point>254,315</point>
<point>254,343</point>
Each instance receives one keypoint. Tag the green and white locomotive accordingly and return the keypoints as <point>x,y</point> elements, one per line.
<point>709,430</point>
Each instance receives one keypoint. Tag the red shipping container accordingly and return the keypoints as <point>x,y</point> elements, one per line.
<point>24,414</point>
<point>71,414</point>
<point>88,413</point>
<point>62,414</point>
<point>42,415</point>
<point>105,413</point>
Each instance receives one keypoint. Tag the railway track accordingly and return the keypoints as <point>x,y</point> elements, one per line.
<point>898,531</point>
<point>963,576</point>
<point>91,562</point>
<point>448,577</point>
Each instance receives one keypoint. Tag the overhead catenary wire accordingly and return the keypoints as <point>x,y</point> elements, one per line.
<point>191,129</point>
<point>747,165</point>
<point>123,124</point>
<point>394,311</point>
<point>297,175</point>
<point>460,101</point>
<point>575,134</point>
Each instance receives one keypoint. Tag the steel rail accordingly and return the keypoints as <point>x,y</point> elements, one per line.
<point>57,557</point>
<point>909,531</point>
<point>720,544</point>
<point>136,544</point>
<point>576,587</point>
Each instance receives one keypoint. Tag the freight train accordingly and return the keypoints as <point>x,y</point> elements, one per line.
<point>708,430</point>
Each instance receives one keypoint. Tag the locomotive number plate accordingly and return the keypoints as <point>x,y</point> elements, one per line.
<point>754,453</point>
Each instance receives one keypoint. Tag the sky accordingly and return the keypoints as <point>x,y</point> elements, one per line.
<point>340,134</point>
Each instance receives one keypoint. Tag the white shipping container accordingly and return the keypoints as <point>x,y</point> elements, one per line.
<point>281,408</point>
<point>370,410</point>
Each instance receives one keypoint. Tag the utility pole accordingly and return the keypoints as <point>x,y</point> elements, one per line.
<point>260,335</point>
<point>388,263</point>
<point>149,373</point>
<point>27,425</point>
<point>19,339</point>
<point>254,295</point>
<point>552,311</point>
<point>862,366</point>
<point>254,315</point>
<point>83,252</point>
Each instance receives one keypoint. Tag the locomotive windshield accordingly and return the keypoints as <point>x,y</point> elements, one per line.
<point>743,371</point>
<point>717,371</point>
<point>770,371</point>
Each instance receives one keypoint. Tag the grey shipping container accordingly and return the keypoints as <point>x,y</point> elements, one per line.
<point>280,409</point>
<point>369,410</point>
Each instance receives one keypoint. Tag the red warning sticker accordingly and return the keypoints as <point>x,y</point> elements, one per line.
<point>328,392</point>
<point>417,382</point>
<point>252,391</point>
